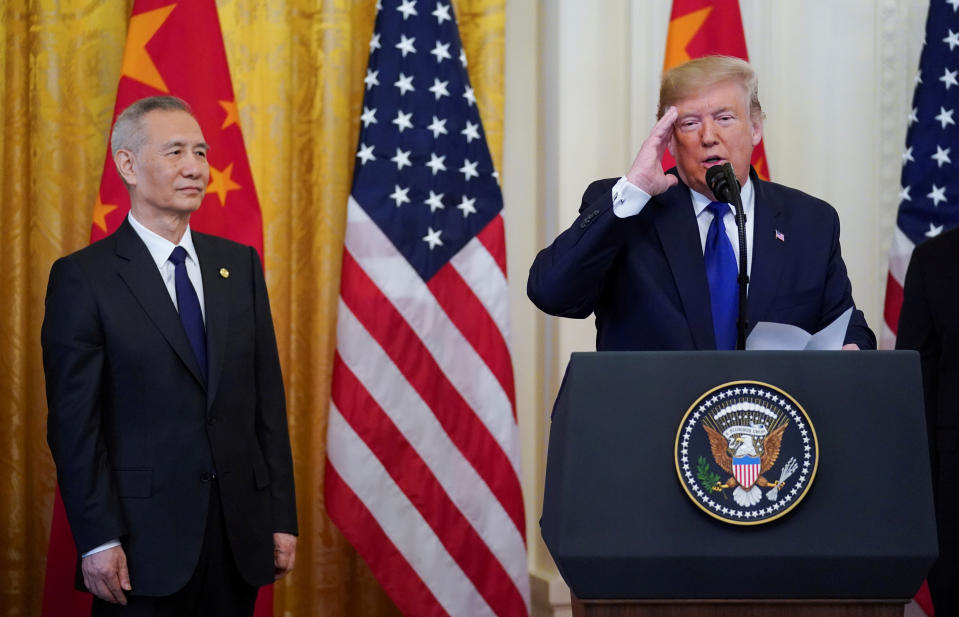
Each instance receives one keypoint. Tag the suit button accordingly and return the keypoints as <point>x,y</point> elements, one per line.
<point>206,476</point>
<point>211,420</point>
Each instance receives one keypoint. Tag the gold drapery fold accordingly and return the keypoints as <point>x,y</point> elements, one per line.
<point>297,68</point>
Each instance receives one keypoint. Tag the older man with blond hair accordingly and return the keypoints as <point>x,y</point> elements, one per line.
<point>654,255</point>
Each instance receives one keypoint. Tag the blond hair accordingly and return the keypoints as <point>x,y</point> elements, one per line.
<point>687,79</point>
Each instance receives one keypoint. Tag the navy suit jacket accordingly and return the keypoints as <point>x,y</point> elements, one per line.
<point>137,432</point>
<point>644,276</point>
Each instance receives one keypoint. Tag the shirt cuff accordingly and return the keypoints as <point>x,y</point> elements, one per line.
<point>102,547</point>
<point>628,199</point>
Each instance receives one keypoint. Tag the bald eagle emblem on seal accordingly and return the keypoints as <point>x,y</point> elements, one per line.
<point>746,452</point>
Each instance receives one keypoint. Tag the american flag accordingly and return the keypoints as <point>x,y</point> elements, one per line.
<point>929,196</point>
<point>422,473</point>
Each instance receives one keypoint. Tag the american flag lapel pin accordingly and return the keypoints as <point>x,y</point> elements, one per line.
<point>780,236</point>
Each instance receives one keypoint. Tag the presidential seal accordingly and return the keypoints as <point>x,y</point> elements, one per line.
<point>746,453</point>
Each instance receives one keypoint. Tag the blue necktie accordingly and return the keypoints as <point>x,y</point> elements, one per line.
<point>189,306</point>
<point>721,271</point>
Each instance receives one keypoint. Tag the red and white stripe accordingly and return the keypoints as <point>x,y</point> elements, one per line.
<point>423,455</point>
<point>746,473</point>
<point>899,255</point>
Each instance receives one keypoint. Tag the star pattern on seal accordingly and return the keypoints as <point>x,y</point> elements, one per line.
<point>725,397</point>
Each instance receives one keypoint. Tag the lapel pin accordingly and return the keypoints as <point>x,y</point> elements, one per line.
<point>226,273</point>
<point>779,236</point>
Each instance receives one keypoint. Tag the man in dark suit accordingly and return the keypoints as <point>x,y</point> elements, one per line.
<point>649,256</point>
<point>929,323</point>
<point>167,417</point>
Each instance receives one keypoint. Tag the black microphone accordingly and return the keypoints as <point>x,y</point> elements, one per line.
<point>723,183</point>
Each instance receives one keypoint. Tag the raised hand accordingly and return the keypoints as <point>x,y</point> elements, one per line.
<point>647,169</point>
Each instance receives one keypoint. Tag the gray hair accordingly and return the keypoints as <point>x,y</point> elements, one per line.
<point>690,77</point>
<point>127,133</point>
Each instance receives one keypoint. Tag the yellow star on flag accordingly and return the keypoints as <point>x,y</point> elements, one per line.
<point>100,212</point>
<point>221,183</point>
<point>137,63</point>
<point>681,32</point>
<point>232,117</point>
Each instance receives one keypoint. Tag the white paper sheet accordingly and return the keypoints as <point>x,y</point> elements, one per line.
<point>768,335</point>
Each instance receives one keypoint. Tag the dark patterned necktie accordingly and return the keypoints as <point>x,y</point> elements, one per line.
<point>189,306</point>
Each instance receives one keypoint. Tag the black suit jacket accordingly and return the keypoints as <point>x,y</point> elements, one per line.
<point>644,276</point>
<point>135,431</point>
<point>929,323</point>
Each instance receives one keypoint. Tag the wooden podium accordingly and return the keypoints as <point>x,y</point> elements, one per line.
<point>736,608</point>
<point>630,542</point>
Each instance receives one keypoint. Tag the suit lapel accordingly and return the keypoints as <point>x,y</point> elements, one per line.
<point>679,235</point>
<point>768,253</point>
<point>216,304</point>
<point>139,272</point>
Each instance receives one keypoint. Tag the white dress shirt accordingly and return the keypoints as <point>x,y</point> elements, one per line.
<point>160,249</point>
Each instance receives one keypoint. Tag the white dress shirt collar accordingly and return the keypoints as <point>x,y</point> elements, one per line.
<point>700,201</point>
<point>703,220</point>
<point>159,247</point>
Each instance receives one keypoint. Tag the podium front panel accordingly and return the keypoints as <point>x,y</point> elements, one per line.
<point>619,524</point>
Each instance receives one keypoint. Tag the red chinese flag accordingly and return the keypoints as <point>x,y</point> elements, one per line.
<point>702,28</point>
<point>175,49</point>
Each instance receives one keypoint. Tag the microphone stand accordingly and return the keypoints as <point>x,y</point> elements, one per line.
<point>722,181</point>
<point>743,278</point>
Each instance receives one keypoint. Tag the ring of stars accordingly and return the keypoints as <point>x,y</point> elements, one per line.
<point>796,485</point>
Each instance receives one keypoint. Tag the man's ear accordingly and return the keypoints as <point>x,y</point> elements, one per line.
<point>126,166</point>
<point>757,130</point>
<point>671,145</point>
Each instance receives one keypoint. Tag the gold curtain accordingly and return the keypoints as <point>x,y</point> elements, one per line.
<point>298,68</point>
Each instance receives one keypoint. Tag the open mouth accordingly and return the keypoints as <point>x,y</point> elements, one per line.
<point>713,160</point>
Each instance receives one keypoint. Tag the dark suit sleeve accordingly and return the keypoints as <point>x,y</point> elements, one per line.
<point>837,296</point>
<point>271,425</point>
<point>73,363</point>
<point>566,278</point>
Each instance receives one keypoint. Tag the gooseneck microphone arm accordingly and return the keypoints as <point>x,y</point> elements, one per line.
<point>725,187</point>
